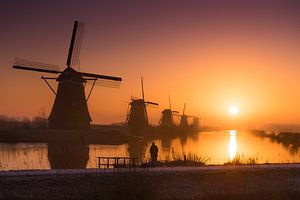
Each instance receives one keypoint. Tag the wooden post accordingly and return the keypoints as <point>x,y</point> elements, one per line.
<point>99,160</point>
<point>107,163</point>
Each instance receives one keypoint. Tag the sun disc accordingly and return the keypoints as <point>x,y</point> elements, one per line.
<point>233,110</point>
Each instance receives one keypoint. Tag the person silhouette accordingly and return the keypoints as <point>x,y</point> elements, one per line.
<point>153,153</point>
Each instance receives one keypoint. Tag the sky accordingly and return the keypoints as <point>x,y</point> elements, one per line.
<point>207,54</point>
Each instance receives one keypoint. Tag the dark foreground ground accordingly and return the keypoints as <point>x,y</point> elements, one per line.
<point>234,183</point>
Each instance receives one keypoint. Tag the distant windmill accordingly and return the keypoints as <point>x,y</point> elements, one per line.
<point>167,119</point>
<point>196,121</point>
<point>137,117</point>
<point>184,118</point>
<point>70,110</point>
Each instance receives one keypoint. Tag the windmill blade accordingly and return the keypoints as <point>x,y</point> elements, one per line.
<point>152,103</point>
<point>184,109</point>
<point>75,44</point>
<point>35,66</point>
<point>105,83</point>
<point>176,114</point>
<point>142,83</point>
<point>98,76</point>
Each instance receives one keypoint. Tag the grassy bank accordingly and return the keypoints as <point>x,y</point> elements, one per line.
<point>222,184</point>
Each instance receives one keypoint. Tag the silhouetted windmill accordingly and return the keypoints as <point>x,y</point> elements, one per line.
<point>196,121</point>
<point>70,110</point>
<point>137,117</point>
<point>184,118</point>
<point>167,119</point>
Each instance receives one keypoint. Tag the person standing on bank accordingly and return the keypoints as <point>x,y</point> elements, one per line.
<point>153,153</point>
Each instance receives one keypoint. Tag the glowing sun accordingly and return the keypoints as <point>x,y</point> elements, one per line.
<point>233,110</point>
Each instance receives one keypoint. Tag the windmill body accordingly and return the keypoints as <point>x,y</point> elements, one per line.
<point>70,109</point>
<point>167,119</point>
<point>184,121</point>
<point>137,117</point>
<point>196,122</point>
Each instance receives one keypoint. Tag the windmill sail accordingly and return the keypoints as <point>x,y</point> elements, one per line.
<point>104,83</point>
<point>35,66</point>
<point>102,80</point>
<point>113,78</point>
<point>75,45</point>
<point>142,83</point>
<point>152,103</point>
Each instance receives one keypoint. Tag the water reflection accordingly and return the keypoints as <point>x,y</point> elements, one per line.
<point>68,155</point>
<point>23,156</point>
<point>137,148</point>
<point>232,147</point>
<point>219,146</point>
<point>224,146</point>
<point>100,150</point>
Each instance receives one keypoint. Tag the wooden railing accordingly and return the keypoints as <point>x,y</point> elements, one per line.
<point>116,162</point>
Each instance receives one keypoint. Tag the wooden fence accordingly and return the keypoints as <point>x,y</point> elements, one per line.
<point>117,162</point>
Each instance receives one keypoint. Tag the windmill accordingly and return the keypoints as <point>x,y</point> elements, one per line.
<point>137,117</point>
<point>70,110</point>
<point>184,118</point>
<point>196,121</point>
<point>167,119</point>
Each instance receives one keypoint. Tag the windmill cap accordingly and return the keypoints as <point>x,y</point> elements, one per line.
<point>70,74</point>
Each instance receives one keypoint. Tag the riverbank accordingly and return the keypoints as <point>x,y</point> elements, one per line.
<point>101,135</point>
<point>290,140</point>
<point>207,182</point>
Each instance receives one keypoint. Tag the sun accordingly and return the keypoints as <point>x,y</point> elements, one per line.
<point>233,110</point>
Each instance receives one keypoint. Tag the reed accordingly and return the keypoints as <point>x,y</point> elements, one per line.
<point>186,160</point>
<point>242,160</point>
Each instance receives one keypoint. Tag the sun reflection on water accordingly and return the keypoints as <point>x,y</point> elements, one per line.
<point>232,147</point>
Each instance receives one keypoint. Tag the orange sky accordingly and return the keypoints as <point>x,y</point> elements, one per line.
<point>206,55</point>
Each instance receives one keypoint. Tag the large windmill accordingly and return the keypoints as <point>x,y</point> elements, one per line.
<point>70,110</point>
<point>137,117</point>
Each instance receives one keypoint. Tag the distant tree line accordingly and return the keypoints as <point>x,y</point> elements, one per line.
<point>37,122</point>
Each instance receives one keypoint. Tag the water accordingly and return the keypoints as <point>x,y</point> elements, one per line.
<point>218,147</point>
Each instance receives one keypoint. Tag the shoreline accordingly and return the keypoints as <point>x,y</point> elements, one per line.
<point>243,167</point>
<point>105,135</point>
<point>214,182</point>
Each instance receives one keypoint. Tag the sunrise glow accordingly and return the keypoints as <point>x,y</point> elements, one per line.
<point>204,57</point>
<point>232,146</point>
<point>233,110</point>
